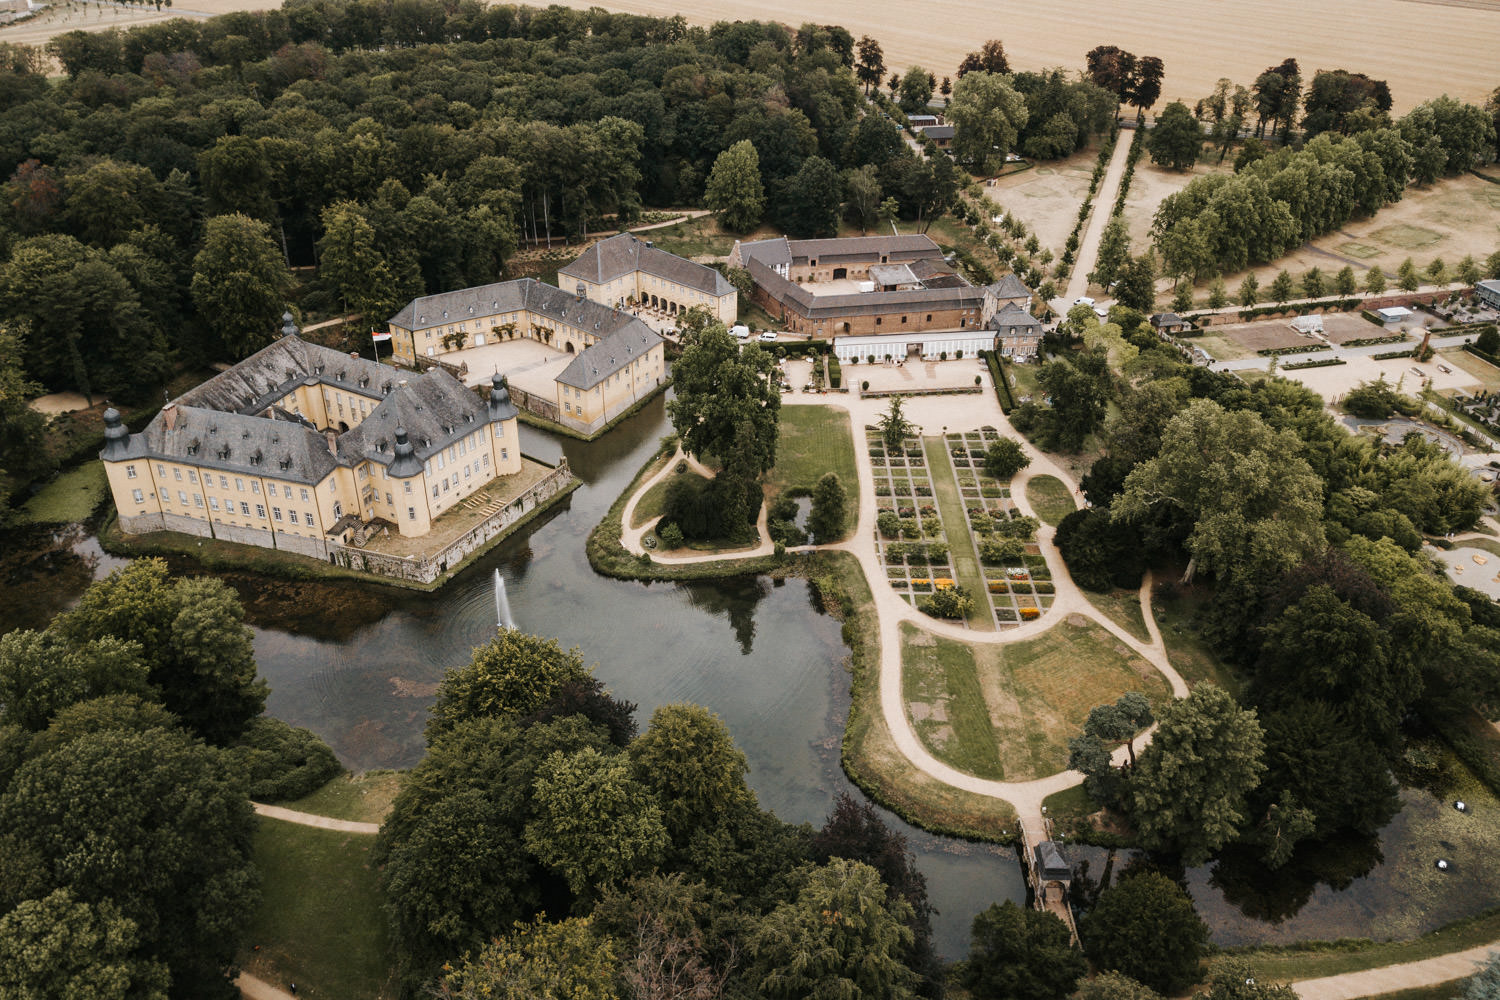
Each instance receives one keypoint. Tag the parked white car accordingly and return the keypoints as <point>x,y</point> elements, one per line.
<point>740,331</point>
<point>768,336</point>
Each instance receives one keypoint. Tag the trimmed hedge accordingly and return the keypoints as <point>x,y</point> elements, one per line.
<point>1389,355</point>
<point>1399,338</point>
<point>1321,363</point>
<point>1483,355</point>
<point>1002,384</point>
<point>1272,352</point>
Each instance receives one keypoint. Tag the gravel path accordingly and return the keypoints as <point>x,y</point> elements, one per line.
<point>310,819</point>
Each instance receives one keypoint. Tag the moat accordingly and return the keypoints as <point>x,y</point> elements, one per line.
<point>358,665</point>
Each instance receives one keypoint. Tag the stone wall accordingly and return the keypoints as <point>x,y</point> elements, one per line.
<point>430,567</point>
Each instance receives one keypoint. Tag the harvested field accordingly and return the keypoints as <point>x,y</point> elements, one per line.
<point>1444,48</point>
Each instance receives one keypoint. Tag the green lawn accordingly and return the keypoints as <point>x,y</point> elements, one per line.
<point>1006,712</point>
<point>363,798</point>
<point>651,503</point>
<point>870,755</point>
<point>1176,616</point>
<point>72,496</point>
<point>814,440</point>
<point>966,570</point>
<point>1334,958</point>
<point>1123,607</point>
<point>320,922</point>
<point>1488,544</point>
<point>1050,498</point>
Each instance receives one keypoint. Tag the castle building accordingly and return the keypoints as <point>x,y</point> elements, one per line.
<point>620,359</point>
<point>624,271</point>
<point>300,446</point>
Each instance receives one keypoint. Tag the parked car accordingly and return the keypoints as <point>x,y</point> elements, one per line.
<point>1445,369</point>
<point>1419,372</point>
<point>768,336</point>
<point>740,331</point>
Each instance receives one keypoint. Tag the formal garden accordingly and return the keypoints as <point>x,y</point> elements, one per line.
<point>909,536</point>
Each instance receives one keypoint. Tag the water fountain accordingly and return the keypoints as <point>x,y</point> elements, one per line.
<point>502,604</point>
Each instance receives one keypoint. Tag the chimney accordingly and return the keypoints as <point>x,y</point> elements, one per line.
<point>169,416</point>
<point>580,290</point>
<point>333,441</point>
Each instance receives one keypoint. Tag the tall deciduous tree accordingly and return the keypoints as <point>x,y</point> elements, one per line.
<point>1248,500</point>
<point>595,824</point>
<point>538,961</point>
<point>1020,954</point>
<point>916,90</point>
<point>156,824</point>
<point>734,188</point>
<point>59,946</point>
<point>240,280</point>
<point>1114,251</point>
<point>871,66</point>
<point>990,58</point>
<point>1188,789</point>
<point>863,193</point>
<point>725,403</point>
<point>688,760</point>
<point>1145,927</point>
<point>988,114</point>
<point>841,937</point>
<point>511,676</point>
<point>351,266</point>
<point>1176,138</point>
<point>811,200</point>
<point>192,633</point>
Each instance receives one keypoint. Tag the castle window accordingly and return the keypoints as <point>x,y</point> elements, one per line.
<point>486,461</point>
<point>177,474</point>
<point>307,515</point>
<point>407,484</point>
<point>255,486</point>
<point>244,508</point>
<point>388,500</point>
<point>260,511</point>
<point>411,513</point>
<point>161,471</point>
<point>276,513</point>
<point>292,516</point>
<point>197,499</point>
<point>137,496</point>
<point>130,473</point>
<point>182,497</point>
<point>213,502</point>
<point>304,496</point>
<point>192,477</point>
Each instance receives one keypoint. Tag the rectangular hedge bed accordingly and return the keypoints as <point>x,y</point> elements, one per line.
<point>1018,590</point>
<point>917,559</point>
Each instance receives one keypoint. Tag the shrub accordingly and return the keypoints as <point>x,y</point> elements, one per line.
<point>1001,551</point>
<point>888,524</point>
<point>671,536</point>
<point>948,602</point>
<point>1004,459</point>
<point>865,385</point>
<point>938,551</point>
<point>280,762</point>
<point>1019,526</point>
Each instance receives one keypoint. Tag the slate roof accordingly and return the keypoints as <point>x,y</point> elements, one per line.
<point>614,352</point>
<point>1166,319</point>
<point>772,253</point>
<point>1012,315</point>
<point>625,254</point>
<point>865,247</point>
<point>1009,287</point>
<point>230,422</point>
<point>959,296</point>
<point>938,132</point>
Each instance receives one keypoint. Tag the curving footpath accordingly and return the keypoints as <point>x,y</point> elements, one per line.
<point>1409,975</point>
<point>312,819</point>
<point>891,611</point>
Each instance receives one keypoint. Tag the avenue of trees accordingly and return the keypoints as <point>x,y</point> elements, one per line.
<point>1340,631</point>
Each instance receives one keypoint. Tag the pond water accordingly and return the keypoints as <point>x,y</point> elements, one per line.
<point>358,665</point>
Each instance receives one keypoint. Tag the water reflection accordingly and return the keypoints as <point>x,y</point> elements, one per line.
<point>1277,896</point>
